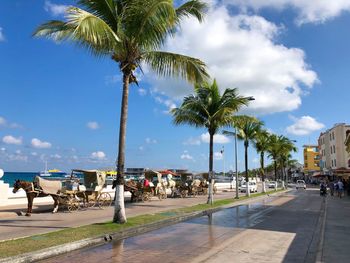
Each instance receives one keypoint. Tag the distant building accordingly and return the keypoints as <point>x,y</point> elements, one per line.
<point>334,158</point>
<point>311,159</point>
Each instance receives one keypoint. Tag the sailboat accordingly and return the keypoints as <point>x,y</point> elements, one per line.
<point>46,172</point>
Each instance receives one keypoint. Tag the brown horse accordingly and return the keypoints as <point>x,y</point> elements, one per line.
<point>32,192</point>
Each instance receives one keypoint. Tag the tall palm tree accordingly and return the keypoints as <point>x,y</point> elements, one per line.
<point>208,108</point>
<point>130,32</point>
<point>279,150</point>
<point>286,148</point>
<point>261,144</point>
<point>248,129</point>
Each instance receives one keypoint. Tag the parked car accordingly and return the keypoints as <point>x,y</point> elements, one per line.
<point>271,184</point>
<point>252,187</point>
<point>300,184</point>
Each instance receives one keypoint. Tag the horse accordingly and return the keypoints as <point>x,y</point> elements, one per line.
<point>32,192</point>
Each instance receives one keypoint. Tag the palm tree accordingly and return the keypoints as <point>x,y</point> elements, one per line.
<point>261,144</point>
<point>286,147</point>
<point>279,149</point>
<point>208,108</point>
<point>131,32</point>
<point>247,130</point>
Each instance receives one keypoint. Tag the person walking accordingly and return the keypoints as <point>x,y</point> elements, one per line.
<point>331,188</point>
<point>340,188</point>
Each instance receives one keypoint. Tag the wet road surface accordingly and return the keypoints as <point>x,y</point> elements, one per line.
<point>279,229</point>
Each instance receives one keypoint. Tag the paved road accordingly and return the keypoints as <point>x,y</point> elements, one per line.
<point>278,229</point>
<point>42,221</point>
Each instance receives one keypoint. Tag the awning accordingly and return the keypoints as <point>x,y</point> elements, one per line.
<point>317,175</point>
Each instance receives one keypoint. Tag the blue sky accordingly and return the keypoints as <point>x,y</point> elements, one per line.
<point>60,104</point>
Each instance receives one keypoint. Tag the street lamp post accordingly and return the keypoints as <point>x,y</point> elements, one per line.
<point>236,161</point>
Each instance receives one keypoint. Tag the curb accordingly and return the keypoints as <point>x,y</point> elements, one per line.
<point>134,231</point>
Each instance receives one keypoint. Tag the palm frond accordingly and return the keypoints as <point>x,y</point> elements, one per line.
<point>194,8</point>
<point>104,9</point>
<point>149,22</point>
<point>82,28</point>
<point>170,64</point>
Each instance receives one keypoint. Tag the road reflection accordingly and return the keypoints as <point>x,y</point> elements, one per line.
<point>182,242</point>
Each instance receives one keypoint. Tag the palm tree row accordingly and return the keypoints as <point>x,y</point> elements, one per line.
<point>209,109</point>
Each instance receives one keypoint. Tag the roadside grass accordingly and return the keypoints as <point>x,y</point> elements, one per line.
<point>37,242</point>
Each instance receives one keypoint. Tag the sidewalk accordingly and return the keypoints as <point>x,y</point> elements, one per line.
<point>336,241</point>
<point>42,221</point>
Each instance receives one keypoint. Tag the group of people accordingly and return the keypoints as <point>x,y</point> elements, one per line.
<point>335,187</point>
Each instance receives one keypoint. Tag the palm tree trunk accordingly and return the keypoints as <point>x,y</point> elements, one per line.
<point>210,175</point>
<point>246,144</point>
<point>262,171</point>
<point>119,209</point>
<point>275,168</point>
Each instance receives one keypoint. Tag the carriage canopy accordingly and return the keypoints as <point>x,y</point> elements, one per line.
<point>94,180</point>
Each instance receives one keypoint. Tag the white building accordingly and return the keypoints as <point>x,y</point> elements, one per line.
<point>332,148</point>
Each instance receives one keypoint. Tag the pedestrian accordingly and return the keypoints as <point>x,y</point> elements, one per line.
<point>331,188</point>
<point>340,188</point>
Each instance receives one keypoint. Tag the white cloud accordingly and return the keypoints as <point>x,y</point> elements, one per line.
<point>218,156</point>
<point>112,80</point>
<point>34,153</point>
<point>9,139</point>
<point>2,37</point>
<point>308,11</point>
<point>2,121</point>
<point>36,143</point>
<point>218,138</point>
<point>150,141</point>
<point>304,126</point>
<point>192,141</point>
<point>55,9</point>
<point>141,148</point>
<point>3,149</point>
<point>99,155</point>
<point>56,156</point>
<point>6,124</point>
<point>93,125</point>
<point>169,103</point>
<point>242,51</point>
<point>186,156</point>
<point>142,92</point>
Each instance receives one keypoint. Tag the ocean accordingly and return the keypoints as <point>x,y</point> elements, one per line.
<point>11,177</point>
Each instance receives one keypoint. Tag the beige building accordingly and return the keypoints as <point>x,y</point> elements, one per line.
<point>332,148</point>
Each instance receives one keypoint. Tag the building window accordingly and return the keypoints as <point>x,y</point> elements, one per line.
<point>333,148</point>
<point>335,162</point>
<point>330,136</point>
<point>332,163</point>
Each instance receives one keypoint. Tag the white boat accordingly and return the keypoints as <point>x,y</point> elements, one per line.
<point>46,172</point>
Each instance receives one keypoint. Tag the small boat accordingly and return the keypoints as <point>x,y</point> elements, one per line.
<point>46,172</point>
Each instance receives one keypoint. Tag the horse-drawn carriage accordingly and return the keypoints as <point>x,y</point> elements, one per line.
<point>69,192</point>
<point>90,193</point>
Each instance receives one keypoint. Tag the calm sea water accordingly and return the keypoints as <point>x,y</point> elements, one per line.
<point>11,177</point>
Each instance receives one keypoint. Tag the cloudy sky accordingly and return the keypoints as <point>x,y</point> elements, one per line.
<point>61,105</point>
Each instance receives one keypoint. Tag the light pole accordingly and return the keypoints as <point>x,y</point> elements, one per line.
<point>223,156</point>
<point>236,161</point>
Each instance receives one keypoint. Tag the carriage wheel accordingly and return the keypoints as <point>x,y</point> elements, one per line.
<point>183,193</point>
<point>73,204</point>
<point>146,197</point>
<point>162,195</point>
<point>104,200</point>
